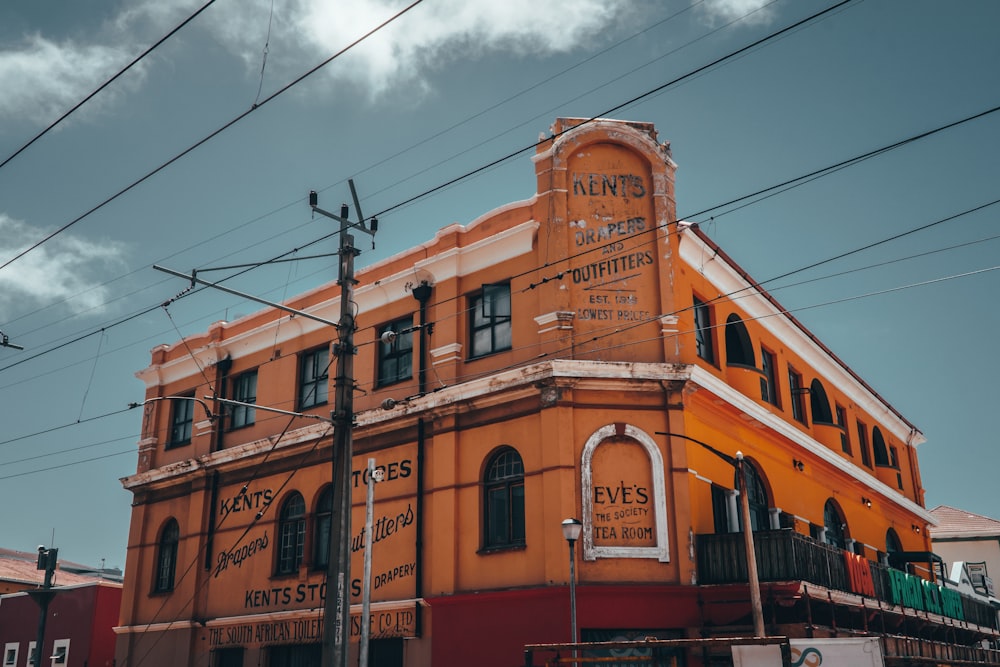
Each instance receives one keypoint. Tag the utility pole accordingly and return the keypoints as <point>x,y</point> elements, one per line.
<point>47,559</point>
<point>337,605</point>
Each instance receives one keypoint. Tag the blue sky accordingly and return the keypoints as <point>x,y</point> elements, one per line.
<point>445,89</point>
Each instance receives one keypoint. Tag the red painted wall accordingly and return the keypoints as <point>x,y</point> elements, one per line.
<point>506,621</point>
<point>85,615</point>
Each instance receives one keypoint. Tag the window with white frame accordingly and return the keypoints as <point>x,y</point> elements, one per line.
<point>10,653</point>
<point>490,320</point>
<point>60,652</point>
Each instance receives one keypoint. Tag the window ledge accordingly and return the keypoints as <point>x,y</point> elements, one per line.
<point>485,551</point>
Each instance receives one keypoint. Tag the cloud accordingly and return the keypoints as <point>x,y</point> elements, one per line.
<point>427,37</point>
<point>41,79</point>
<point>717,12</point>
<point>66,268</point>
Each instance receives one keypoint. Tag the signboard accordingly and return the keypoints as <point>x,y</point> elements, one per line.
<point>612,242</point>
<point>623,488</point>
<point>386,620</point>
<point>624,495</point>
<point>247,541</point>
<point>816,652</point>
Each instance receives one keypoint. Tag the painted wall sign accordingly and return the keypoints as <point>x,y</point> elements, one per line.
<point>624,495</point>
<point>394,551</point>
<point>622,506</point>
<point>245,501</point>
<point>240,554</point>
<point>611,213</point>
<point>268,633</point>
<point>279,597</point>
<point>395,620</point>
<point>248,517</point>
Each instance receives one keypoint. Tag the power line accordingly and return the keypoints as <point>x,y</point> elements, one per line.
<point>617,107</point>
<point>210,136</point>
<point>470,173</point>
<point>107,83</point>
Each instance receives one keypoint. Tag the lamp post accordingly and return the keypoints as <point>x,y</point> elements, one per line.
<point>571,531</point>
<point>374,475</point>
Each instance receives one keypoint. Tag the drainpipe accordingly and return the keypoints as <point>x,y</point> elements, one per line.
<point>422,293</point>
<point>221,380</point>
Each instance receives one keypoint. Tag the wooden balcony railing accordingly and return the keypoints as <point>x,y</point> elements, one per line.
<point>785,555</point>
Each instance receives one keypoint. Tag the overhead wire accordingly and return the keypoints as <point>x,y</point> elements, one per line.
<point>786,182</point>
<point>209,137</point>
<point>607,112</point>
<point>844,2</point>
<point>51,126</point>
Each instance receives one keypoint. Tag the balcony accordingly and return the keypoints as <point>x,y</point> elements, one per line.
<point>784,555</point>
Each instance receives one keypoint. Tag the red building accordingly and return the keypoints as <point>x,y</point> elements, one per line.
<point>79,630</point>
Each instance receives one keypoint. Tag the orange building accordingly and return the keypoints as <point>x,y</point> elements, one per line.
<point>577,354</point>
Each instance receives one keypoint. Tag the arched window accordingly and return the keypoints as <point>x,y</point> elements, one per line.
<point>819,403</point>
<point>759,507</point>
<point>879,449</point>
<point>321,528</point>
<point>835,525</point>
<point>503,495</point>
<point>893,545</point>
<point>739,349</point>
<point>166,557</point>
<point>892,542</point>
<point>291,534</point>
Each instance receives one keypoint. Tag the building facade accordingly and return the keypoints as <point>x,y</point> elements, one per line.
<point>577,354</point>
<point>971,542</point>
<point>79,626</point>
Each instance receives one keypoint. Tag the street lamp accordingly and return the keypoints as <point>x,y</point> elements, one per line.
<point>374,475</point>
<point>571,531</point>
<point>753,580</point>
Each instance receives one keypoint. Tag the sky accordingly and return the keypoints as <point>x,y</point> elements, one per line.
<point>202,154</point>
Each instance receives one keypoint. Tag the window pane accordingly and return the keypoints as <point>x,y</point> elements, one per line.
<point>703,332</point>
<point>314,378</point>
<point>498,524</point>
<point>517,513</point>
<point>501,336</point>
<point>321,545</point>
<point>482,342</point>
<point>395,358</point>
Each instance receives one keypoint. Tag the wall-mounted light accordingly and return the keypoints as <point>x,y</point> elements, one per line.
<point>915,528</point>
<point>798,465</point>
<point>866,501</point>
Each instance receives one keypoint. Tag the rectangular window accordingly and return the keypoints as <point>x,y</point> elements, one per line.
<point>866,455</point>
<point>228,657</point>
<point>244,391</point>
<point>720,509</point>
<point>768,383</point>
<point>294,655</point>
<point>703,331</point>
<point>181,421</point>
<point>10,654</point>
<point>314,377</point>
<point>60,652</point>
<point>798,392</point>
<point>490,318</point>
<point>395,352</point>
<point>31,653</point>
<point>845,441</point>
<point>386,652</point>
